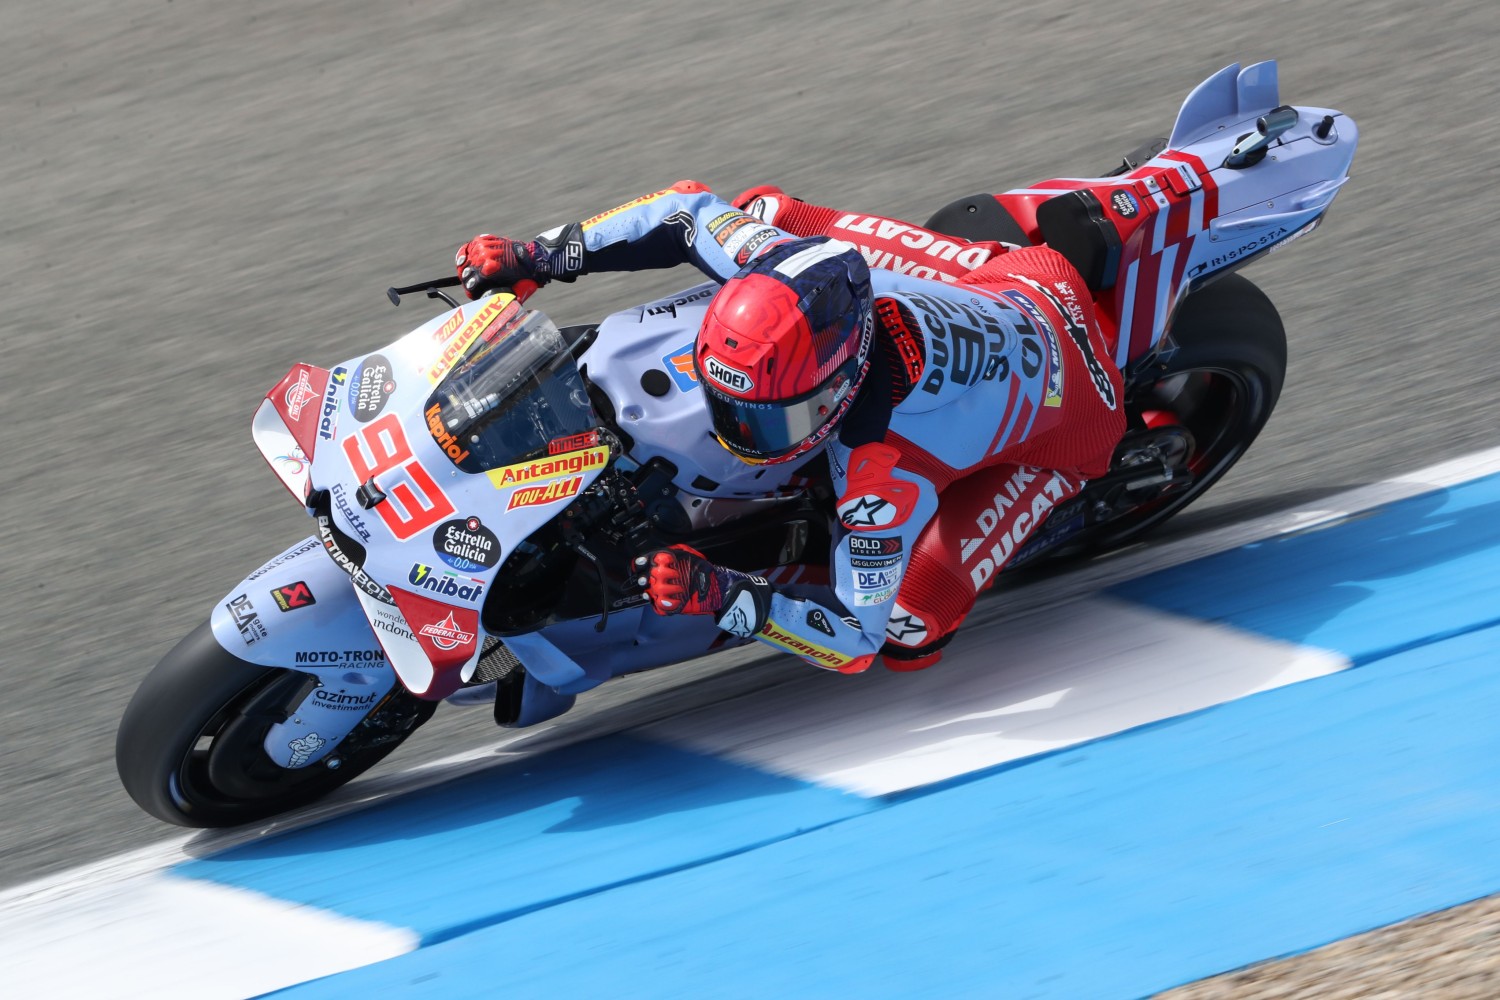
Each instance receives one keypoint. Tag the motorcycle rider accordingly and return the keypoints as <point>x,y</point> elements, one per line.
<point>961,392</point>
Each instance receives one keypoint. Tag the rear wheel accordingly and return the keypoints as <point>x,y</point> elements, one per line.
<point>1219,385</point>
<point>190,745</point>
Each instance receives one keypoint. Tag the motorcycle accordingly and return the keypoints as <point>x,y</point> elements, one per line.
<point>480,485</point>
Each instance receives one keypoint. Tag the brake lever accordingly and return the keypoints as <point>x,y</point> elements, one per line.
<point>430,286</point>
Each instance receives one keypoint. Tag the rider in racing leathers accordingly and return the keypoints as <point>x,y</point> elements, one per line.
<point>961,390</point>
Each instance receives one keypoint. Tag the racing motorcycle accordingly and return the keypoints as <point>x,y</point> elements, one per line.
<point>480,485</point>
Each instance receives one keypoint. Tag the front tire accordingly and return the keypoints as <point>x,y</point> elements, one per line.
<point>189,748</point>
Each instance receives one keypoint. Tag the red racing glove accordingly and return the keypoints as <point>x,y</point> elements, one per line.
<point>681,580</point>
<point>488,262</point>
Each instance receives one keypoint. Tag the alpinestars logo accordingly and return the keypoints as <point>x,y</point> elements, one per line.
<point>868,511</point>
<point>683,220</point>
<point>905,627</point>
<point>740,617</point>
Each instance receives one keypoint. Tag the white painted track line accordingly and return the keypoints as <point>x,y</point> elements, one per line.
<point>160,936</point>
<point>1022,691</point>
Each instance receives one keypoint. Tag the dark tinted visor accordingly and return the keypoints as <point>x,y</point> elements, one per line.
<point>770,430</point>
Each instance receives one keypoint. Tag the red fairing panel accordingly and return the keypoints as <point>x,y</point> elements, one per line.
<point>297,398</point>
<point>447,634</point>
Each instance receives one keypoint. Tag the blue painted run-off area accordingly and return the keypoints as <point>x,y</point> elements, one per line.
<point>1376,583</point>
<point>1266,826</point>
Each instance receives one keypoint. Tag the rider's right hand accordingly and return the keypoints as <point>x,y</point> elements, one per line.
<point>488,262</point>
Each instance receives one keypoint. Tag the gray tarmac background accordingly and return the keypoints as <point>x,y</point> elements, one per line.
<point>197,194</point>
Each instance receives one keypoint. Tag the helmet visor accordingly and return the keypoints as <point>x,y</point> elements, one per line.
<point>770,430</point>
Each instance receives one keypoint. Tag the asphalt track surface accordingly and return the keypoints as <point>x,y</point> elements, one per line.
<point>198,194</point>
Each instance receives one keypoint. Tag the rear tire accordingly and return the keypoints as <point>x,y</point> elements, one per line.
<point>1222,384</point>
<point>189,748</point>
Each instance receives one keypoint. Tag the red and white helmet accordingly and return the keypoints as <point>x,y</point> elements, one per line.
<point>784,348</point>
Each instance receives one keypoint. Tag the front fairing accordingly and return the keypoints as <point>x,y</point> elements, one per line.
<point>421,537</point>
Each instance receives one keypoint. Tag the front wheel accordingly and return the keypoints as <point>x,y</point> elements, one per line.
<point>190,745</point>
<point>1219,385</point>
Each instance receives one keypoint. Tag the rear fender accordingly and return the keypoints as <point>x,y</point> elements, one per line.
<point>299,612</point>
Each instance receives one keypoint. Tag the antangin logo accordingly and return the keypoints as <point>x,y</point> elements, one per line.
<point>455,348</point>
<point>449,328</point>
<point>554,467</point>
<point>642,200</point>
<point>816,654</point>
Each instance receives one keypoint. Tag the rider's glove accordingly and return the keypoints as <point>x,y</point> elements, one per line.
<point>487,262</point>
<point>681,580</point>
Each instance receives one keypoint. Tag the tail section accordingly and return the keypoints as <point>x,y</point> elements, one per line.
<point>1240,177</point>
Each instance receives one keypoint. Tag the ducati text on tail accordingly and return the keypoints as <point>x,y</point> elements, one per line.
<point>479,486</point>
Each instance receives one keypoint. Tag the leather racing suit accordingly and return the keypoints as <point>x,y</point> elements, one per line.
<point>991,400</point>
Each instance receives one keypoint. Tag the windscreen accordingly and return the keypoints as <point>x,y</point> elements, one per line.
<point>517,389</point>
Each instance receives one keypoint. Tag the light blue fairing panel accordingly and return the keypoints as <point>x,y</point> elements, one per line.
<point>250,623</point>
<point>634,639</point>
<point>298,611</point>
<point>1230,95</point>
